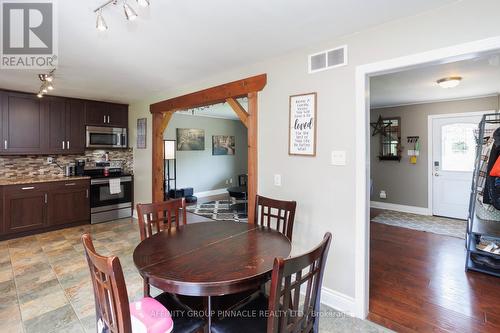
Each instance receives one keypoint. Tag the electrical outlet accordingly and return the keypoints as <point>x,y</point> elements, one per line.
<point>230,180</point>
<point>50,160</point>
<point>277,180</point>
<point>227,182</point>
<point>383,194</point>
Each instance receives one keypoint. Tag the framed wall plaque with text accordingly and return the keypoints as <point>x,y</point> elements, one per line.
<point>302,125</point>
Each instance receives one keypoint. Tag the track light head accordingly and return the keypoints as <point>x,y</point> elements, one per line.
<point>130,13</point>
<point>100,23</point>
<point>39,95</point>
<point>50,86</point>
<point>143,3</point>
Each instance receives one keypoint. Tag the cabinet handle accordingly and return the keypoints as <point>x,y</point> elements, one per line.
<point>63,144</point>
<point>70,184</point>
<point>109,119</point>
<point>5,144</point>
<point>45,197</point>
<point>104,121</point>
<point>28,188</point>
<point>67,144</point>
<point>87,193</point>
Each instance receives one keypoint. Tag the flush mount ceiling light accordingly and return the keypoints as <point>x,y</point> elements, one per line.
<point>449,82</point>
<point>47,83</point>
<point>130,13</point>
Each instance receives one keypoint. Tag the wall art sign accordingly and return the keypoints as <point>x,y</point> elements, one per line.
<point>302,125</point>
<point>141,133</point>
<point>223,145</point>
<point>190,139</point>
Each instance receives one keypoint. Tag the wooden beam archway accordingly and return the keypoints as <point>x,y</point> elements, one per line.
<point>163,111</point>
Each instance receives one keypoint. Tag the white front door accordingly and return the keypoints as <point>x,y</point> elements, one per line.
<point>453,156</point>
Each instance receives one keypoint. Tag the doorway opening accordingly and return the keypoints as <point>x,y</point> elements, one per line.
<point>401,257</point>
<point>229,92</point>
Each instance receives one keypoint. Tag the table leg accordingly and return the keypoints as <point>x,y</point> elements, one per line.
<point>209,308</point>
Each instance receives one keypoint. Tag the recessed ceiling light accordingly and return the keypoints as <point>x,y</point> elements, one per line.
<point>449,82</point>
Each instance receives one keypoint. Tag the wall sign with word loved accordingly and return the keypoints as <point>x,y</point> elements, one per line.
<point>302,127</point>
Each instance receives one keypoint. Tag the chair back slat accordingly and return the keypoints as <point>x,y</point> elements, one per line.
<point>287,313</point>
<point>159,216</point>
<point>275,214</point>
<point>110,291</point>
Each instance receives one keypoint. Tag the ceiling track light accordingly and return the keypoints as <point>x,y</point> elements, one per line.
<point>130,13</point>
<point>47,83</point>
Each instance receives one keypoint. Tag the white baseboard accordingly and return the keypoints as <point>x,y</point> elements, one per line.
<point>209,193</point>
<point>400,208</point>
<point>338,301</point>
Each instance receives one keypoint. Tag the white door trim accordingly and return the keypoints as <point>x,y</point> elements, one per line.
<point>362,168</point>
<point>430,142</point>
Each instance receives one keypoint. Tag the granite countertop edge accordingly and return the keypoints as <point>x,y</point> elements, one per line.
<point>39,179</point>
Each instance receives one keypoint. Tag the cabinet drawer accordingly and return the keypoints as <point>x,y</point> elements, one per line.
<point>68,184</point>
<point>25,188</point>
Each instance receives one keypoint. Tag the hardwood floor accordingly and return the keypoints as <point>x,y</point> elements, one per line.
<point>418,283</point>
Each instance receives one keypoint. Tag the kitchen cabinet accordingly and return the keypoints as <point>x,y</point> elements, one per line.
<point>25,208</point>
<point>68,202</point>
<point>106,114</point>
<point>23,124</point>
<point>39,207</point>
<point>66,133</point>
<point>52,125</point>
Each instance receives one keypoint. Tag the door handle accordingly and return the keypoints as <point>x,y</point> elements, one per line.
<point>28,188</point>
<point>63,145</point>
<point>5,145</point>
<point>67,144</point>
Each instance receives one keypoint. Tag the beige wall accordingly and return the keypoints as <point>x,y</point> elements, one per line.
<point>405,183</point>
<point>326,194</point>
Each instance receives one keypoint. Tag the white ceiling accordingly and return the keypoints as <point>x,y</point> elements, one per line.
<point>480,77</point>
<point>178,42</point>
<point>221,110</point>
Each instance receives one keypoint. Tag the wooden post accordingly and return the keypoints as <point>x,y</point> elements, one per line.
<point>252,133</point>
<point>160,122</point>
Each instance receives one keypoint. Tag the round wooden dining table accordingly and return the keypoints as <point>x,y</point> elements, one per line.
<point>210,258</point>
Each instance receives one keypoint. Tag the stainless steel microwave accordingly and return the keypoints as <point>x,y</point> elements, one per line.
<point>106,137</point>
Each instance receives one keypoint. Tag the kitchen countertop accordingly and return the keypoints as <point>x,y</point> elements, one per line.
<point>38,179</point>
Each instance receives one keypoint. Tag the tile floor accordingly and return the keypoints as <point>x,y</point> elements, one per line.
<point>45,284</point>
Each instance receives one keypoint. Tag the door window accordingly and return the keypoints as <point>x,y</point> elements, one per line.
<point>458,147</point>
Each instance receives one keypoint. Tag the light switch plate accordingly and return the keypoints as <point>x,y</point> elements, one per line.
<point>277,180</point>
<point>338,157</point>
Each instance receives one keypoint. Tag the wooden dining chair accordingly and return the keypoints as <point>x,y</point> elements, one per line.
<point>287,311</point>
<point>276,214</point>
<point>155,217</point>
<point>114,314</point>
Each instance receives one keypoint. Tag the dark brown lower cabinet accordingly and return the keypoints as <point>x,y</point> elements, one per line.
<point>68,202</point>
<point>34,208</point>
<point>25,208</point>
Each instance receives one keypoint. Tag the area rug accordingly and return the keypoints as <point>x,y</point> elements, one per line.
<point>220,210</point>
<point>433,224</point>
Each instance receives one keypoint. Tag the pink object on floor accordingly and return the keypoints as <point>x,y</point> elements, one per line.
<point>150,316</point>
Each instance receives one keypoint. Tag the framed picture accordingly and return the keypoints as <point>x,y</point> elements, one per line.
<point>223,145</point>
<point>302,125</point>
<point>190,139</point>
<point>141,133</point>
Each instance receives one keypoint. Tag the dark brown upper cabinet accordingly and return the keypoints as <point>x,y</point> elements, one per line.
<point>52,125</point>
<point>106,114</point>
<point>23,124</point>
<point>66,120</point>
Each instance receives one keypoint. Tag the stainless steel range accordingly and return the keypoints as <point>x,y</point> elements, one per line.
<point>111,193</point>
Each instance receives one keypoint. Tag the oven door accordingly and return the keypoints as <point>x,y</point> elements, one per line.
<point>101,198</point>
<point>106,137</point>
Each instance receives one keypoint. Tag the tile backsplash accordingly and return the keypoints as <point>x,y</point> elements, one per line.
<point>36,165</point>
